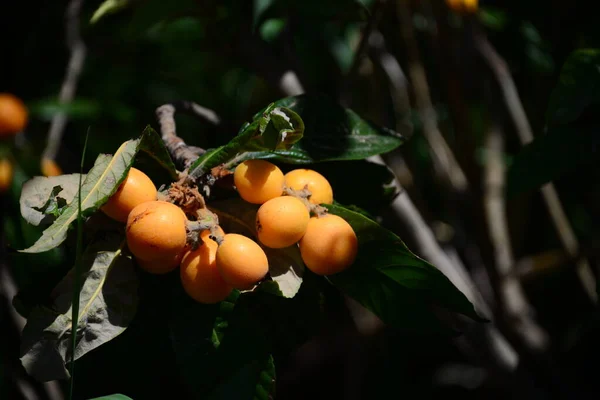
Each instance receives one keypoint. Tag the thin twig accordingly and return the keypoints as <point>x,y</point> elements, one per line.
<point>183,154</point>
<point>512,298</point>
<point>446,163</point>
<point>559,218</point>
<point>74,67</point>
<point>199,111</point>
<point>397,79</point>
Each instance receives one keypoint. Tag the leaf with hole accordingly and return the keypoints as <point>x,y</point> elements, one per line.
<point>44,198</point>
<point>107,304</point>
<point>100,183</point>
<point>275,128</point>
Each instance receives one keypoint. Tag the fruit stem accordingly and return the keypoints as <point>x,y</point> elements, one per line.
<point>207,220</point>
<point>303,195</point>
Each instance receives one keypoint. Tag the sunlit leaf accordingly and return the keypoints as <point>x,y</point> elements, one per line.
<point>272,129</point>
<point>100,183</point>
<point>40,193</point>
<point>113,397</point>
<point>109,7</point>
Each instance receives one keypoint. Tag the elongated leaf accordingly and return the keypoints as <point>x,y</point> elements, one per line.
<point>152,145</point>
<point>40,191</point>
<point>107,303</point>
<point>115,396</point>
<point>100,183</point>
<point>109,7</point>
<point>578,87</point>
<point>395,284</point>
<point>571,138</point>
<point>285,265</point>
<point>275,128</point>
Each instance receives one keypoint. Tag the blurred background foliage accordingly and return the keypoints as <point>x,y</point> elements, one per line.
<point>227,56</point>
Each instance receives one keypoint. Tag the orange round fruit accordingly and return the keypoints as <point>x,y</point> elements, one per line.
<point>241,261</point>
<point>258,181</point>
<point>6,174</point>
<point>156,231</point>
<point>160,265</point>
<point>13,115</point>
<point>281,222</point>
<point>49,167</point>
<point>135,189</point>
<point>317,184</point>
<point>329,245</point>
<point>199,274</point>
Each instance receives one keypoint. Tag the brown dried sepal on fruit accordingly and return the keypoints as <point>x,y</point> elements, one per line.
<point>188,198</point>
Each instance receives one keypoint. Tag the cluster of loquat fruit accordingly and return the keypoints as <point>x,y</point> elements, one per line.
<point>157,230</point>
<point>290,214</point>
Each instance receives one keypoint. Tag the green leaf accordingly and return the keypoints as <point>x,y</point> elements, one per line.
<point>78,108</point>
<point>272,129</point>
<point>152,145</point>
<point>109,7</point>
<point>394,283</point>
<point>43,198</point>
<point>493,18</point>
<point>265,387</point>
<point>553,155</point>
<point>115,396</point>
<point>571,138</point>
<point>279,129</point>
<point>577,89</point>
<point>286,267</point>
<point>100,183</point>
<point>331,133</point>
<point>107,303</point>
